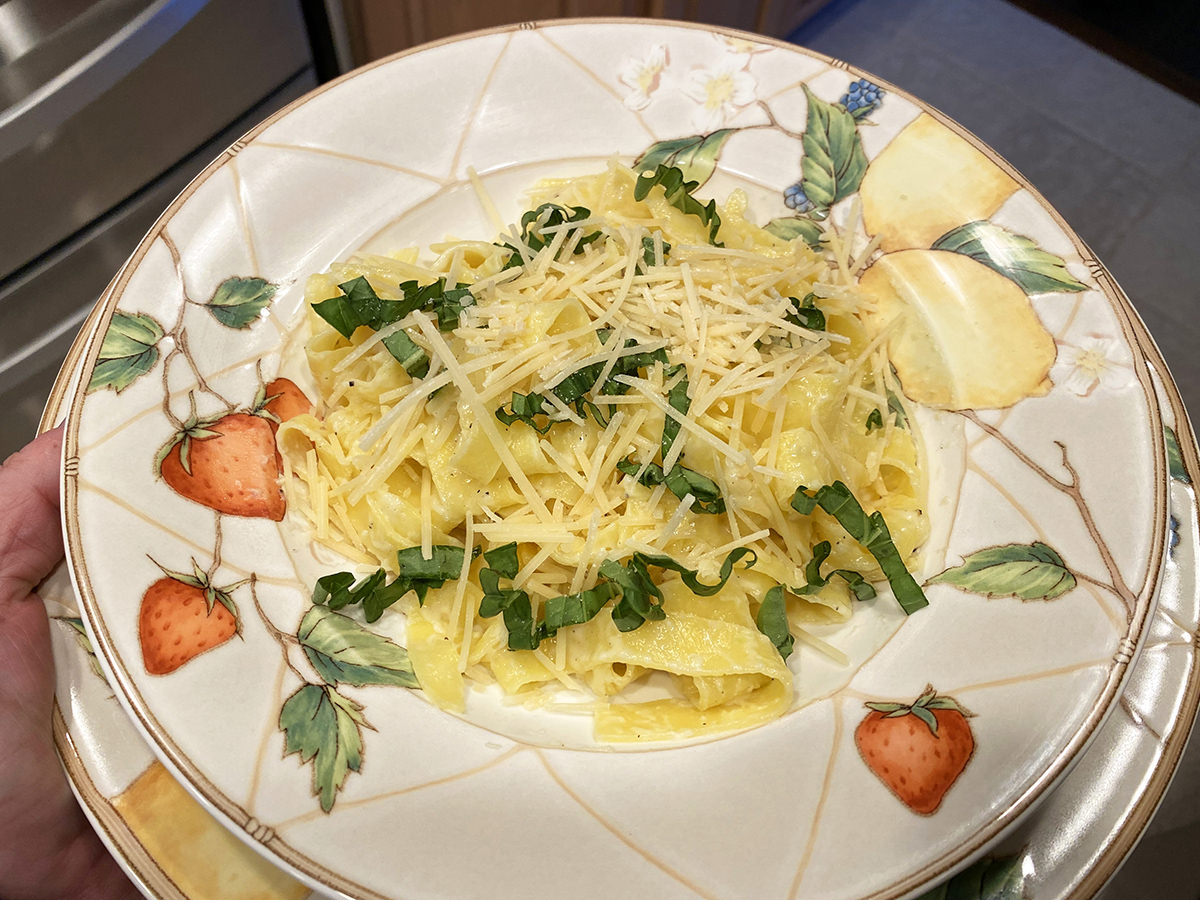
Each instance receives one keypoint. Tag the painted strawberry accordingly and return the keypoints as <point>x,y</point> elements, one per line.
<point>284,400</point>
<point>229,464</point>
<point>183,616</point>
<point>918,749</point>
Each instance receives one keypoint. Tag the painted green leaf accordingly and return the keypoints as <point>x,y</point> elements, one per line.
<point>1175,456</point>
<point>792,227</point>
<point>1028,571</point>
<point>695,155</point>
<point>344,652</point>
<point>237,301</point>
<point>1012,255</point>
<point>128,351</point>
<point>325,728</point>
<point>79,631</point>
<point>988,879</point>
<point>834,161</point>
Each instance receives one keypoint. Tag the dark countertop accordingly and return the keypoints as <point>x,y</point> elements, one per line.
<point>1119,156</point>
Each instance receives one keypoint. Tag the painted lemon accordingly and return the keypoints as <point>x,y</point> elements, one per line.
<point>196,854</point>
<point>927,181</point>
<point>960,335</point>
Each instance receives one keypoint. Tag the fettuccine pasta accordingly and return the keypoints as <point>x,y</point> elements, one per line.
<point>664,387</point>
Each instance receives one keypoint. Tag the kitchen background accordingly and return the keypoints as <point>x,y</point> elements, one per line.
<point>109,107</point>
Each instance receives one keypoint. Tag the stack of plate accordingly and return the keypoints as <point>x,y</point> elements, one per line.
<point>1061,576</point>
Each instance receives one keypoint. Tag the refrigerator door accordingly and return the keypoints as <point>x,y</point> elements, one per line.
<point>76,197</point>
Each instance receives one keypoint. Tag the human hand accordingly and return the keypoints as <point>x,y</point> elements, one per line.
<point>47,848</point>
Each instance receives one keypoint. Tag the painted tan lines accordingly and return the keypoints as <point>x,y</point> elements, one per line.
<point>619,834</point>
<point>239,198</point>
<point>956,493</point>
<point>271,729</point>
<point>350,157</point>
<point>343,805</point>
<point>1139,720</point>
<point>487,82</point>
<point>1171,617</point>
<point>826,787</point>
<point>799,83</point>
<point>982,437</point>
<point>600,81</point>
<point>1119,622</point>
<point>1102,663</point>
<point>156,409</point>
<point>156,521</point>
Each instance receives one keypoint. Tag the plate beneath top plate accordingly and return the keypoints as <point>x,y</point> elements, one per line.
<point>782,811</point>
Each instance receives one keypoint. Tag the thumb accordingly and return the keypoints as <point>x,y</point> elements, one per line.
<point>30,534</point>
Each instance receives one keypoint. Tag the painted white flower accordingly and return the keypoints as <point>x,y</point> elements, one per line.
<point>643,76</point>
<point>742,46</point>
<point>1094,362</point>
<point>721,91</point>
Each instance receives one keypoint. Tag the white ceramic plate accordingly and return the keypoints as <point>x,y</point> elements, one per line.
<point>175,851</point>
<point>785,810</point>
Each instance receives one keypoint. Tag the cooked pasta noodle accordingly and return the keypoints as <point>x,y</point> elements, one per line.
<point>773,402</point>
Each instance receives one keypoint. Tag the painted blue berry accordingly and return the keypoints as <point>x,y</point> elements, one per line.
<point>861,97</point>
<point>795,198</point>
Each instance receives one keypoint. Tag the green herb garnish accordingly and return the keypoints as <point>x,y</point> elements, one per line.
<point>772,621</point>
<point>772,615</point>
<point>874,420</point>
<point>551,215</point>
<point>648,256</point>
<point>680,481</point>
<point>639,599</point>
<point>804,313</point>
<point>574,388</point>
<point>679,195</point>
<point>679,401</point>
<point>870,531</point>
<point>376,593</point>
<point>359,305</point>
<point>897,408</point>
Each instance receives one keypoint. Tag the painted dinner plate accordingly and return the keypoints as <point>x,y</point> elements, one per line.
<point>1025,377</point>
<point>174,850</point>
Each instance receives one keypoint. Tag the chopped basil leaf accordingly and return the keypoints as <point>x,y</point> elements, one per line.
<point>679,401</point>
<point>804,313</point>
<point>648,256</point>
<point>405,351</point>
<point>551,215</point>
<point>575,609</point>
<point>525,407</point>
<point>680,481</point>
<point>691,578</point>
<point>641,599</point>
<point>332,590</point>
<point>504,560</point>
<point>772,621</point>
<point>376,594</point>
<point>573,389</point>
<point>874,420</point>
<point>859,586</point>
<point>870,531</point>
<point>679,194</point>
<point>359,306</point>
<point>517,610</point>
<point>897,408</point>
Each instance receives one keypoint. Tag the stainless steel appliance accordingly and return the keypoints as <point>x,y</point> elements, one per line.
<point>109,108</point>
